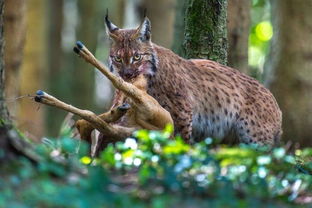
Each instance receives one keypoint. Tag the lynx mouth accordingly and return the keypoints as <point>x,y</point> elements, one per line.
<point>129,76</point>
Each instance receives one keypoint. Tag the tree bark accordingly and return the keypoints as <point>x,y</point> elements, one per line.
<point>5,123</point>
<point>11,144</point>
<point>238,32</point>
<point>289,71</point>
<point>3,109</point>
<point>205,30</point>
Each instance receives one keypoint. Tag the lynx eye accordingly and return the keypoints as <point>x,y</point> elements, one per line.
<point>137,57</point>
<point>117,59</point>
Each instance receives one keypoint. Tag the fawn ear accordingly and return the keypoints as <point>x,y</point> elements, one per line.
<point>110,28</point>
<point>143,32</point>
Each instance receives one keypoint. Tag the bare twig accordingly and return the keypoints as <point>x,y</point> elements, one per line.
<point>9,100</point>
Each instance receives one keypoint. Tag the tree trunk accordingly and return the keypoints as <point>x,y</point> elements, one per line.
<point>4,116</point>
<point>14,35</point>
<point>289,71</point>
<point>33,68</point>
<point>83,74</point>
<point>57,74</point>
<point>70,78</point>
<point>238,33</point>
<point>179,27</point>
<point>205,30</point>
<point>11,144</point>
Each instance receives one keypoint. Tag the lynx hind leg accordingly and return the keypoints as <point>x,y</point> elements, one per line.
<point>182,117</point>
<point>251,131</point>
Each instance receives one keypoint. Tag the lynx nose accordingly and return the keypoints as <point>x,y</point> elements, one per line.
<point>126,73</point>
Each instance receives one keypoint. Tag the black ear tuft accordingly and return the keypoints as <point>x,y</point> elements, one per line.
<point>110,27</point>
<point>145,30</point>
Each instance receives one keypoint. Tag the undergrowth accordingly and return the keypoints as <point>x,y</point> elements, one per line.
<point>152,170</point>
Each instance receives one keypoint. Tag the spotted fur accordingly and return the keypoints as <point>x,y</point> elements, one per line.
<point>204,98</point>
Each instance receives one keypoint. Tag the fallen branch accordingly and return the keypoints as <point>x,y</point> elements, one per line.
<point>14,145</point>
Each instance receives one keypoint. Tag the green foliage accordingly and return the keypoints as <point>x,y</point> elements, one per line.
<point>154,170</point>
<point>259,38</point>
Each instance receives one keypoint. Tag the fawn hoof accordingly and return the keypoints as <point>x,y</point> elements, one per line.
<point>39,95</point>
<point>76,50</point>
<point>39,92</point>
<point>79,44</point>
<point>124,107</point>
<point>38,99</point>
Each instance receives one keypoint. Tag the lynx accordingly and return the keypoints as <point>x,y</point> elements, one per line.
<point>204,98</point>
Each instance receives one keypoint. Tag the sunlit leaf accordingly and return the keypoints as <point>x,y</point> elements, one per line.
<point>142,135</point>
<point>264,31</point>
<point>85,160</point>
<point>128,153</point>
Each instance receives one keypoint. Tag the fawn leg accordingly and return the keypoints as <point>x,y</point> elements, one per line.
<point>85,128</point>
<point>129,89</point>
<point>96,122</point>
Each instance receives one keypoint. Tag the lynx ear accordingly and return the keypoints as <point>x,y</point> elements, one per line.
<point>144,30</point>
<point>110,28</point>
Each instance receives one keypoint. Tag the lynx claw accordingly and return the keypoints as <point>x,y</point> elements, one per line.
<point>124,107</point>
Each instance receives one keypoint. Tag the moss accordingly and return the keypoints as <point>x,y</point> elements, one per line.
<point>205,30</point>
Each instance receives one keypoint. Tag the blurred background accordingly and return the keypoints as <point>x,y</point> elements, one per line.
<point>40,35</point>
